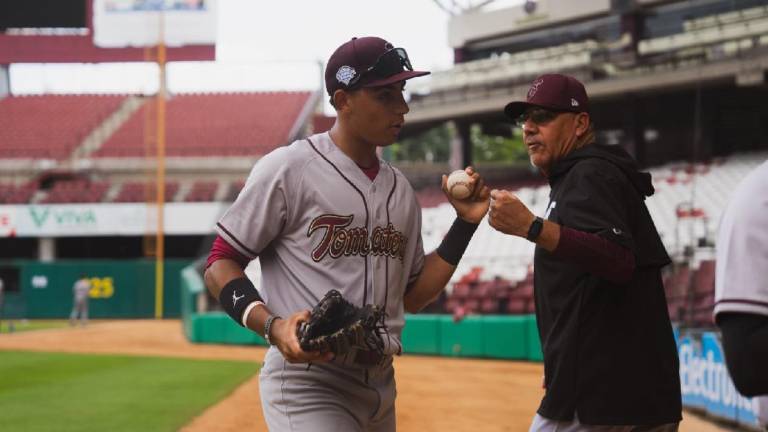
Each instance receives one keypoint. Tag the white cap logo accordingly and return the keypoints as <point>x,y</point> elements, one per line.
<point>574,102</point>
<point>345,74</point>
<point>534,88</point>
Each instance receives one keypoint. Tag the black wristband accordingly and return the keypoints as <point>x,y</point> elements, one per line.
<point>236,296</point>
<point>455,242</point>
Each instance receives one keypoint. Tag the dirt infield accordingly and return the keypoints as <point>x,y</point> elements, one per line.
<point>434,394</point>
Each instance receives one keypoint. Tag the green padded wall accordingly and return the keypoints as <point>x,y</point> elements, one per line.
<point>461,339</point>
<point>512,337</point>
<point>421,334</point>
<point>506,337</point>
<point>120,288</point>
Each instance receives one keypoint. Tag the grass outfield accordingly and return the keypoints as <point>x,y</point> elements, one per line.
<point>74,392</point>
<point>27,325</point>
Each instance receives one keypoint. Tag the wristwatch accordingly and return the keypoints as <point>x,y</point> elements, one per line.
<point>535,230</point>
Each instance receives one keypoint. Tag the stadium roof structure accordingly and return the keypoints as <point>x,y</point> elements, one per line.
<point>653,46</point>
<point>63,31</point>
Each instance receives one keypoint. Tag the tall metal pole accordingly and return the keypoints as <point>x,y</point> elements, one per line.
<point>160,251</point>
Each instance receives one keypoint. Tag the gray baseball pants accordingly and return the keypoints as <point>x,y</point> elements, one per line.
<point>326,398</point>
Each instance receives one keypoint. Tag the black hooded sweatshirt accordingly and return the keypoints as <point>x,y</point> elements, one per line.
<point>609,350</point>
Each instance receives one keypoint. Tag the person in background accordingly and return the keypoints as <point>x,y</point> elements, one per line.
<point>80,291</point>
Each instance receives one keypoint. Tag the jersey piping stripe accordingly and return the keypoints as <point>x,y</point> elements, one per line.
<point>386,257</point>
<point>745,301</point>
<point>365,204</point>
<point>239,243</point>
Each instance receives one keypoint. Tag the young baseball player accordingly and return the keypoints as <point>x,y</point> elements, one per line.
<point>326,213</point>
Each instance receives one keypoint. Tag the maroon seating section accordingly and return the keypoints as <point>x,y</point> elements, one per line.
<point>16,194</point>
<point>76,191</point>
<point>691,294</point>
<point>50,126</point>
<point>140,192</point>
<point>202,191</point>
<point>473,295</point>
<point>223,124</point>
<point>703,295</point>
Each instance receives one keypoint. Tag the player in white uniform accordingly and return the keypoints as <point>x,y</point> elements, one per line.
<point>326,213</point>
<point>741,284</point>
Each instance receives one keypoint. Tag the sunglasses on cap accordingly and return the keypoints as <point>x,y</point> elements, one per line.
<point>538,116</point>
<point>390,63</point>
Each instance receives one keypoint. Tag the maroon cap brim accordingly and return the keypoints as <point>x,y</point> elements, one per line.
<point>402,76</point>
<point>514,110</point>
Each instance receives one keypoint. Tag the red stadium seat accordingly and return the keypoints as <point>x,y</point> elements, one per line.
<point>202,191</point>
<point>76,191</point>
<point>143,192</point>
<point>17,194</point>
<point>50,126</point>
<point>218,124</point>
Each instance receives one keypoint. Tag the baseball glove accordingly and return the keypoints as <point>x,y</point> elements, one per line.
<point>336,325</point>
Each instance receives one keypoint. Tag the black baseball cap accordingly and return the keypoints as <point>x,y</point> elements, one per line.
<point>367,62</point>
<point>555,92</point>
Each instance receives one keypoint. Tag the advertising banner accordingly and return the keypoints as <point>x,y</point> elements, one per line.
<point>706,384</point>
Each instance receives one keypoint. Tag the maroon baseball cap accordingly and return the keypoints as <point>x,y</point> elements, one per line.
<point>555,92</point>
<point>367,62</point>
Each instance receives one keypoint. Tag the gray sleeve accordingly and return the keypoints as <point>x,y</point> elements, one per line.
<point>261,209</point>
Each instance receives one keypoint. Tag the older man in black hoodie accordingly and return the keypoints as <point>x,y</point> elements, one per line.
<point>610,360</point>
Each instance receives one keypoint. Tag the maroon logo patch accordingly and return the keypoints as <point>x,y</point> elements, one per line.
<point>337,240</point>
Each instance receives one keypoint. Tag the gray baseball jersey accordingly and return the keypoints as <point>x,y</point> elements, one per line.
<point>741,281</point>
<point>81,289</point>
<point>317,222</point>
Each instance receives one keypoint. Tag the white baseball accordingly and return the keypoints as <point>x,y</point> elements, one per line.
<point>459,185</point>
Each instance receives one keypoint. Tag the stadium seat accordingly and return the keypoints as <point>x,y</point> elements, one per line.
<point>17,194</point>
<point>76,191</point>
<point>217,124</point>
<point>67,120</point>
<point>202,191</point>
<point>143,192</point>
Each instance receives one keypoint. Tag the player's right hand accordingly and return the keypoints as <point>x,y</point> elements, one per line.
<point>284,335</point>
<point>474,208</point>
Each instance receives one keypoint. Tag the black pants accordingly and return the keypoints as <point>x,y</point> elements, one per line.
<point>745,342</point>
